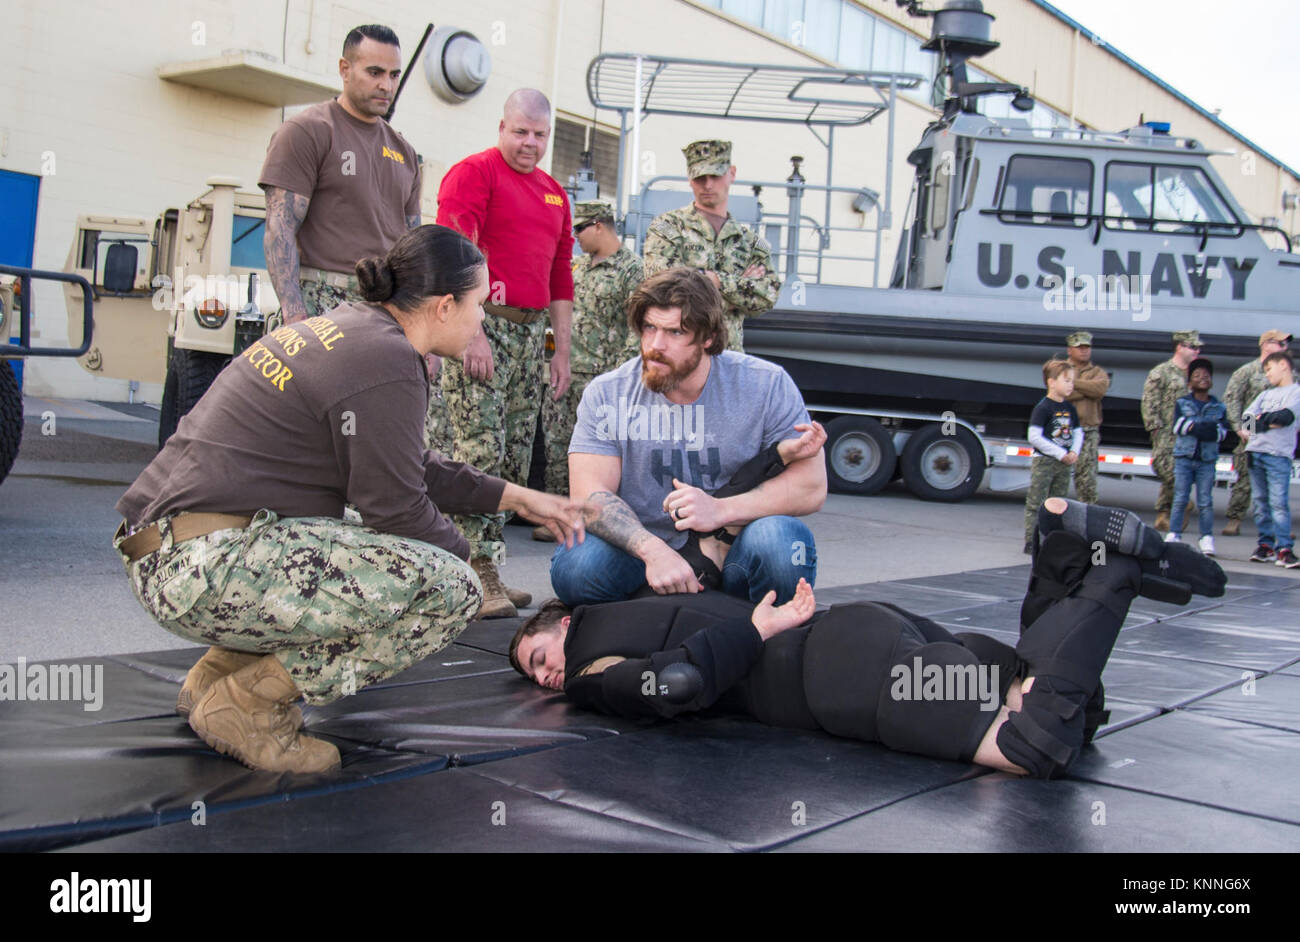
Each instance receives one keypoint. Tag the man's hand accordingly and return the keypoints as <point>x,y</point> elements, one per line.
<point>770,620</point>
<point>432,363</point>
<point>562,516</point>
<point>693,509</point>
<point>560,374</point>
<point>755,270</point>
<point>478,358</point>
<point>713,277</point>
<point>1070,458</point>
<point>805,446</point>
<point>667,572</point>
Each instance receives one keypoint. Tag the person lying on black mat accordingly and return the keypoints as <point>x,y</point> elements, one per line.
<point>874,672</point>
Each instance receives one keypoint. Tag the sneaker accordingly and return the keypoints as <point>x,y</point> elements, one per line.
<point>1263,553</point>
<point>1286,559</point>
<point>1172,537</point>
<point>1206,545</point>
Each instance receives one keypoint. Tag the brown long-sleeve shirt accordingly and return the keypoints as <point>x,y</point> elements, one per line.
<point>319,414</point>
<point>1090,385</point>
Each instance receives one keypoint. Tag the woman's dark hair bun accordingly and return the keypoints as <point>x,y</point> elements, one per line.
<point>376,279</point>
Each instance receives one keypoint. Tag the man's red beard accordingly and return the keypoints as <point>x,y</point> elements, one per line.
<point>661,382</point>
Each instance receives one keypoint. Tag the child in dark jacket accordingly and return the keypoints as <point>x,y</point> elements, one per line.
<point>1200,423</point>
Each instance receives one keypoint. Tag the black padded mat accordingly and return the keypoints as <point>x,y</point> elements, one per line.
<point>1005,617</point>
<point>1199,758</point>
<point>1212,638</point>
<point>996,813</point>
<point>1273,700</point>
<point>427,752</point>
<point>472,718</point>
<point>993,586</point>
<point>920,600</point>
<point>122,692</point>
<point>453,810</point>
<point>1164,683</point>
<point>726,780</point>
<point>455,660</point>
<point>81,782</point>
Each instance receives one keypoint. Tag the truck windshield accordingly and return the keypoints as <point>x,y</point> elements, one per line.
<point>246,243</point>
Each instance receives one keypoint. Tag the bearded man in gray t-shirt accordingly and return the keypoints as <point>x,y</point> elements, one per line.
<point>655,437</point>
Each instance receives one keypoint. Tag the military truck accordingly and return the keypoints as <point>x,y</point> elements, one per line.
<point>16,315</point>
<point>177,297</point>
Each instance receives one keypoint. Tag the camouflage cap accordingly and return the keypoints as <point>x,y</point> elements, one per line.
<point>1080,338</point>
<point>590,211</point>
<point>1274,336</point>
<point>1189,337</point>
<point>707,158</point>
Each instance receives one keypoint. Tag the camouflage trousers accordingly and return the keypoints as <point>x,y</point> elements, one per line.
<point>1085,470</point>
<point>1047,478</point>
<point>493,422</point>
<point>340,606</point>
<point>320,297</point>
<point>1239,502</point>
<point>558,420</point>
<point>1162,463</point>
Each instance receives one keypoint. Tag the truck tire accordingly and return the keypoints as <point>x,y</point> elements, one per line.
<point>11,418</point>
<point>860,455</point>
<point>189,375</point>
<point>942,467</point>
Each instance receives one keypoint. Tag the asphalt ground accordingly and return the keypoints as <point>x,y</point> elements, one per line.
<point>64,593</point>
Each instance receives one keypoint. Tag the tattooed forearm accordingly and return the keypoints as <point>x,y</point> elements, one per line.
<point>608,517</point>
<point>285,212</point>
<point>413,222</point>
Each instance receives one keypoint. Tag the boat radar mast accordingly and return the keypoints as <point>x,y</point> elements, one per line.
<point>961,31</point>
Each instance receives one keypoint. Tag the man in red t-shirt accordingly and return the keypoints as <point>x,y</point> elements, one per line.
<point>519,216</point>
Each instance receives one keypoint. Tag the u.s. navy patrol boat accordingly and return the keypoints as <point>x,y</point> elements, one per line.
<point>1016,236</point>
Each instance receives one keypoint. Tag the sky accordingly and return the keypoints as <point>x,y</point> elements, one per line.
<point>1241,56</point>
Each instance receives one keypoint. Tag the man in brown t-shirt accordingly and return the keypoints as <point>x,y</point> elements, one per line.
<point>341,184</point>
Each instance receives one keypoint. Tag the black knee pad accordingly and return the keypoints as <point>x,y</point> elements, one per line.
<point>1045,735</point>
<point>940,701</point>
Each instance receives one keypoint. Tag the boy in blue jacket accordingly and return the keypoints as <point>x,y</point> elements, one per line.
<point>1200,423</point>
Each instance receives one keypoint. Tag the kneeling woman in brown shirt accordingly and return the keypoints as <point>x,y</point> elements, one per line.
<point>234,535</point>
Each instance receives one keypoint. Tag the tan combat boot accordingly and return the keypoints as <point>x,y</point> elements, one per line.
<point>543,535</point>
<point>496,603</point>
<point>1162,521</point>
<point>249,715</point>
<point>1232,527</point>
<point>215,664</point>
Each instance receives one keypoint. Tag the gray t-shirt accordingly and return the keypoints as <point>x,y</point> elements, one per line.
<point>747,405</point>
<point>1275,441</point>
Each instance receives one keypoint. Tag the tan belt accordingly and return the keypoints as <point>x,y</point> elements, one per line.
<point>335,279</point>
<point>520,315</point>
<point>184,527</point>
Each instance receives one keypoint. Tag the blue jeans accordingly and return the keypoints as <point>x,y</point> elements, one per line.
<point>770,553</point>
<point>1187,470</point>
<point>1270,493</point>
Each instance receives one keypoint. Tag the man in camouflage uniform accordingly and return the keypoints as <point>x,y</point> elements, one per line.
<point>1164,385</point>
<point>1090,384</point>
<point>705,236</point>
<point>1247,382</point>
<point>603,280</point>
